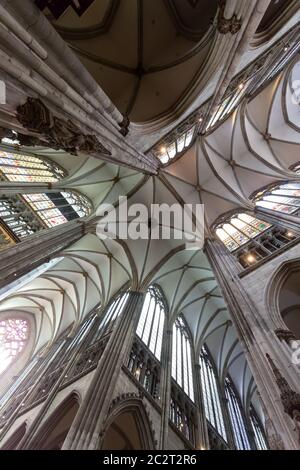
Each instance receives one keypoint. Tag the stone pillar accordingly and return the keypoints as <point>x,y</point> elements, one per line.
<point>201,438</point>
<point>38,249</point>
<point>90,419</point>
<point>165,387</point>
<point>256,341</point>
<point>85,117</point>
<point>287,221</point>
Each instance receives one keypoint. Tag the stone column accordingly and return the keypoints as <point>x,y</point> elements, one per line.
<point>38,249</point>
<point>201,438</point>
<point>165,387</point>
<point>287,221</point>
<point>256,341</point>
<point>90,419</point>
<point>60,82</point>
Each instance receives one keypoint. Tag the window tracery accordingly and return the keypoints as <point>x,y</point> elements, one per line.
<point>281,197</point>
<point>236,417</point>
<point>13,338</point>
<point>251,239</point>
<point>40,210</point>
<point>259,435</point>
<point>151,322</point>
<point>182,371</point>
<point>211,397</point>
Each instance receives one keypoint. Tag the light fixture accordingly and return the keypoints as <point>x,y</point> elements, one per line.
<point>241,86</point>
<point>289,234</point>
<point>200,119</point>
<point>162,149</point>
<point>251,258</point>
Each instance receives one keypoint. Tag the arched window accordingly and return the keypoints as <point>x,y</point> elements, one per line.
<point>112,313</point>
<point>182,371</point>
<point>259,435</point>
<point>236,417</point>
<point>251,239</point>
<point>151,323</point>
<point>27,213</point>
<point>176,143</point>
<point>239,229</point>
<point>13,338</point>
<point>29,169</point>
<point>281,197</point>
<point>211,397</point>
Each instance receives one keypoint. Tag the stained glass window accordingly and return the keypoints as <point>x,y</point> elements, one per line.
<point>236,417</point>
<point>239,229</point>
<point>211,397</point>
<point>151,322</point>
<point>168,151</point>
<point>52,208</point>
<point>281,198</point>
<point>182,370</point>
<point>27,168</point>
<point>13,338</point>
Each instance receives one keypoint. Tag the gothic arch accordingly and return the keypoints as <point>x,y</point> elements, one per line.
<point>274,289</point>
<point>13,441</point>
<point>133,406</point>
<point>49,436</point>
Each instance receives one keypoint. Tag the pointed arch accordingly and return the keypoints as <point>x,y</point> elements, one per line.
<point>138,436</point>
<point>54,431</point>
<point>14,440</point>
<point>274,301</point>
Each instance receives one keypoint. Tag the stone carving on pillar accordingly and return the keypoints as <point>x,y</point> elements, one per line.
<point>227,25</point>
<point>54,131</point>
<point>124,126</point>
<point>289,398</point>
<point>285,335</point>
<point>18,138</point>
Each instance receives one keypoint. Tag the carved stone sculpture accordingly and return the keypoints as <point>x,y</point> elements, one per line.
<point>285,335</point>
<point>231,25</point>
<point>54,131</point>
<point>289,398</point>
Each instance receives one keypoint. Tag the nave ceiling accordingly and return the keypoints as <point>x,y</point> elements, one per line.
<point>254,147</point>
<point>147,55</point>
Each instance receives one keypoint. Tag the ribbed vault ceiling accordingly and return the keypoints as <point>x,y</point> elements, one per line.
<point>221,170</point>
<point>254,147</point>
<point>145,54</point>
